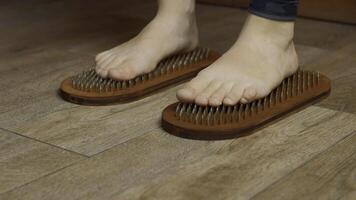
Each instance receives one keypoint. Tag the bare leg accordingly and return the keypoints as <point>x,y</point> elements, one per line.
<point>172,30</point>
<point>261,58</point>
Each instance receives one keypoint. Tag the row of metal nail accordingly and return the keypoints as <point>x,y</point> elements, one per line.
<point>91,81</point>
<point>291,87</point>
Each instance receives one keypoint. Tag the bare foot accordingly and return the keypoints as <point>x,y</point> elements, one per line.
<point>260,59</point>
<point>173,30</point>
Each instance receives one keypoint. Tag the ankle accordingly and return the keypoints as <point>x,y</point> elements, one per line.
<point>176,8</point>
<point>278,32</point>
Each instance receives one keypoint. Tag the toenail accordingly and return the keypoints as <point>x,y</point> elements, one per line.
<point>201,100</point>
<point>186,92</point>
<point>214,101</point>
<point>251,93</point>
<point>228,100</point>
<point>243,100</point>
<point>202,97</point>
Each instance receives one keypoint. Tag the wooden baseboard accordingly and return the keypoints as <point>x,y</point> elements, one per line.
<point>333,10</point>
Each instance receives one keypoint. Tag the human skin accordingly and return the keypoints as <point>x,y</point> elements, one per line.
<point>262,56</point>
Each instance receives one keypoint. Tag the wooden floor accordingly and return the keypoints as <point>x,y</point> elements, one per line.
<point>51,149</point>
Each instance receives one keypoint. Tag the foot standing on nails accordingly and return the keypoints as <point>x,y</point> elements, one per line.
<point>263,55</point>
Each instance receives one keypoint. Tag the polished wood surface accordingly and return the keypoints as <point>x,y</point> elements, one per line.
<point>23,160</point>
<point>159,166</point>
<point>52,149</point>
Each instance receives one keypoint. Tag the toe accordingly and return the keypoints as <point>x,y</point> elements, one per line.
<point>186,94</point>
<point>189,92</point>
<point>217,97</point>
<point>249,94</point>
<point>122,73</point>
<point>113,61</point>
<point>234,95</point>
<point>101,68</point>
<point>101,72</point>
<point>102,63</point>
<point>244,100</point>
<point>102,56</point>
<point>203,97</point>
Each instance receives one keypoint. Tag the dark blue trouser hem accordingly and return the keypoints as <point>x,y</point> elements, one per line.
<point>272,16</point>
<point>282,10</point>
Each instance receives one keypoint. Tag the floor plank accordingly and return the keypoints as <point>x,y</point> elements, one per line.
<point>330,175</point>
<point>29,87</point>
<point>158,166</point>
<point>91,130</point>
<point>23,160</point>
<point>239,169</point>
<point>340,66</point>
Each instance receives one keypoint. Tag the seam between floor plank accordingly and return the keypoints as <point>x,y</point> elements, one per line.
<point>52,145</point>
